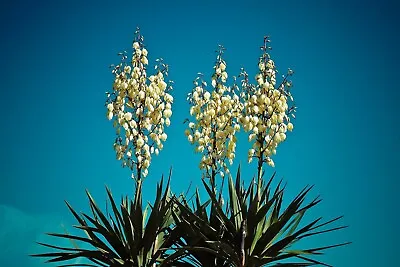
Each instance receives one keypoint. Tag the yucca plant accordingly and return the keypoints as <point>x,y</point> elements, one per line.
<point>253,229</point>
<point>140,108</point>
<point>126,236</point>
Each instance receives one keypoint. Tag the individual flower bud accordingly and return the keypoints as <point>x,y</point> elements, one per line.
<point>146,163</point>
<point>141,95</point>
<point>110,107</point>
<point>160,146</point>
<point>163,137</point>
<point>169,98</point>
<point>128,116</point>
<point>290,127</point>
<point>136,45</point>
<point>140,142</point>
<point>255,130</point>
<point>261,66</point>
<point>162,85</point>
<point>110,115</point>
<point>270,162</point>
<point>256,109</point>
<point>167,113</point>
<point>251,152</point>
<point>207,96</point>
<point>222,66</point>
<point>144,52</point>
<point>146,148</point>
<point>144,60</point>
<point>213,83</point>
<point>224,76</point>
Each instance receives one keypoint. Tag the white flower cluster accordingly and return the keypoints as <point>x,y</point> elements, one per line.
<point>216,122</point>
<point>262,110</point>
<point>266,111</point>
<point>140,107</point>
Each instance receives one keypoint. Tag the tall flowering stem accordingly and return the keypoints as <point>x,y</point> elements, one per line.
<point>140,108</point>
<point>216,112</point>
<point>266,113</point>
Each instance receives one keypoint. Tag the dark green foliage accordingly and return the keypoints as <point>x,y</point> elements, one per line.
<point>253,230</point>
<point>123,237</point>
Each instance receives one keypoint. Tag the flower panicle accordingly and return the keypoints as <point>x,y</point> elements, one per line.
<point>216,112</point>
<point>262,108</point>
<point>266,108</point>
<point>140,107</point>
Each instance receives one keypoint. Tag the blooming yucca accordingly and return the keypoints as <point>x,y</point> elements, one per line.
<point>252,229</point>
<point>140,107</point>
<point>216,114</point>
<point>266,109</point>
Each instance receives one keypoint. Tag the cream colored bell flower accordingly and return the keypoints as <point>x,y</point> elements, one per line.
<point>163,137</point>
<point>207,96</point>
<point>136,45</point>
<point>290,127</point>
<point>167,113</point>
<point>213,83</point>
<point>144,60</point>
<point>128,116</point>
<point>109,115</point>
<point>140,142</point>
<point>110,107</point>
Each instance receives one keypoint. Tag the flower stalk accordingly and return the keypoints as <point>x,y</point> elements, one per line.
<point>140,107</point>
<point>216,112</point>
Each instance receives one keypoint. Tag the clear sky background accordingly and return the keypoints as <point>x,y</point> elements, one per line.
<point>56,141</point>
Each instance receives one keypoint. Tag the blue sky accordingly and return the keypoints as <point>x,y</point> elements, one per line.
<point>56,140</point>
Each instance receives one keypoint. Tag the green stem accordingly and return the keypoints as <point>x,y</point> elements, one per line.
<point>213,174</point>
<point>214,164</point>
<point>260,168</point>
